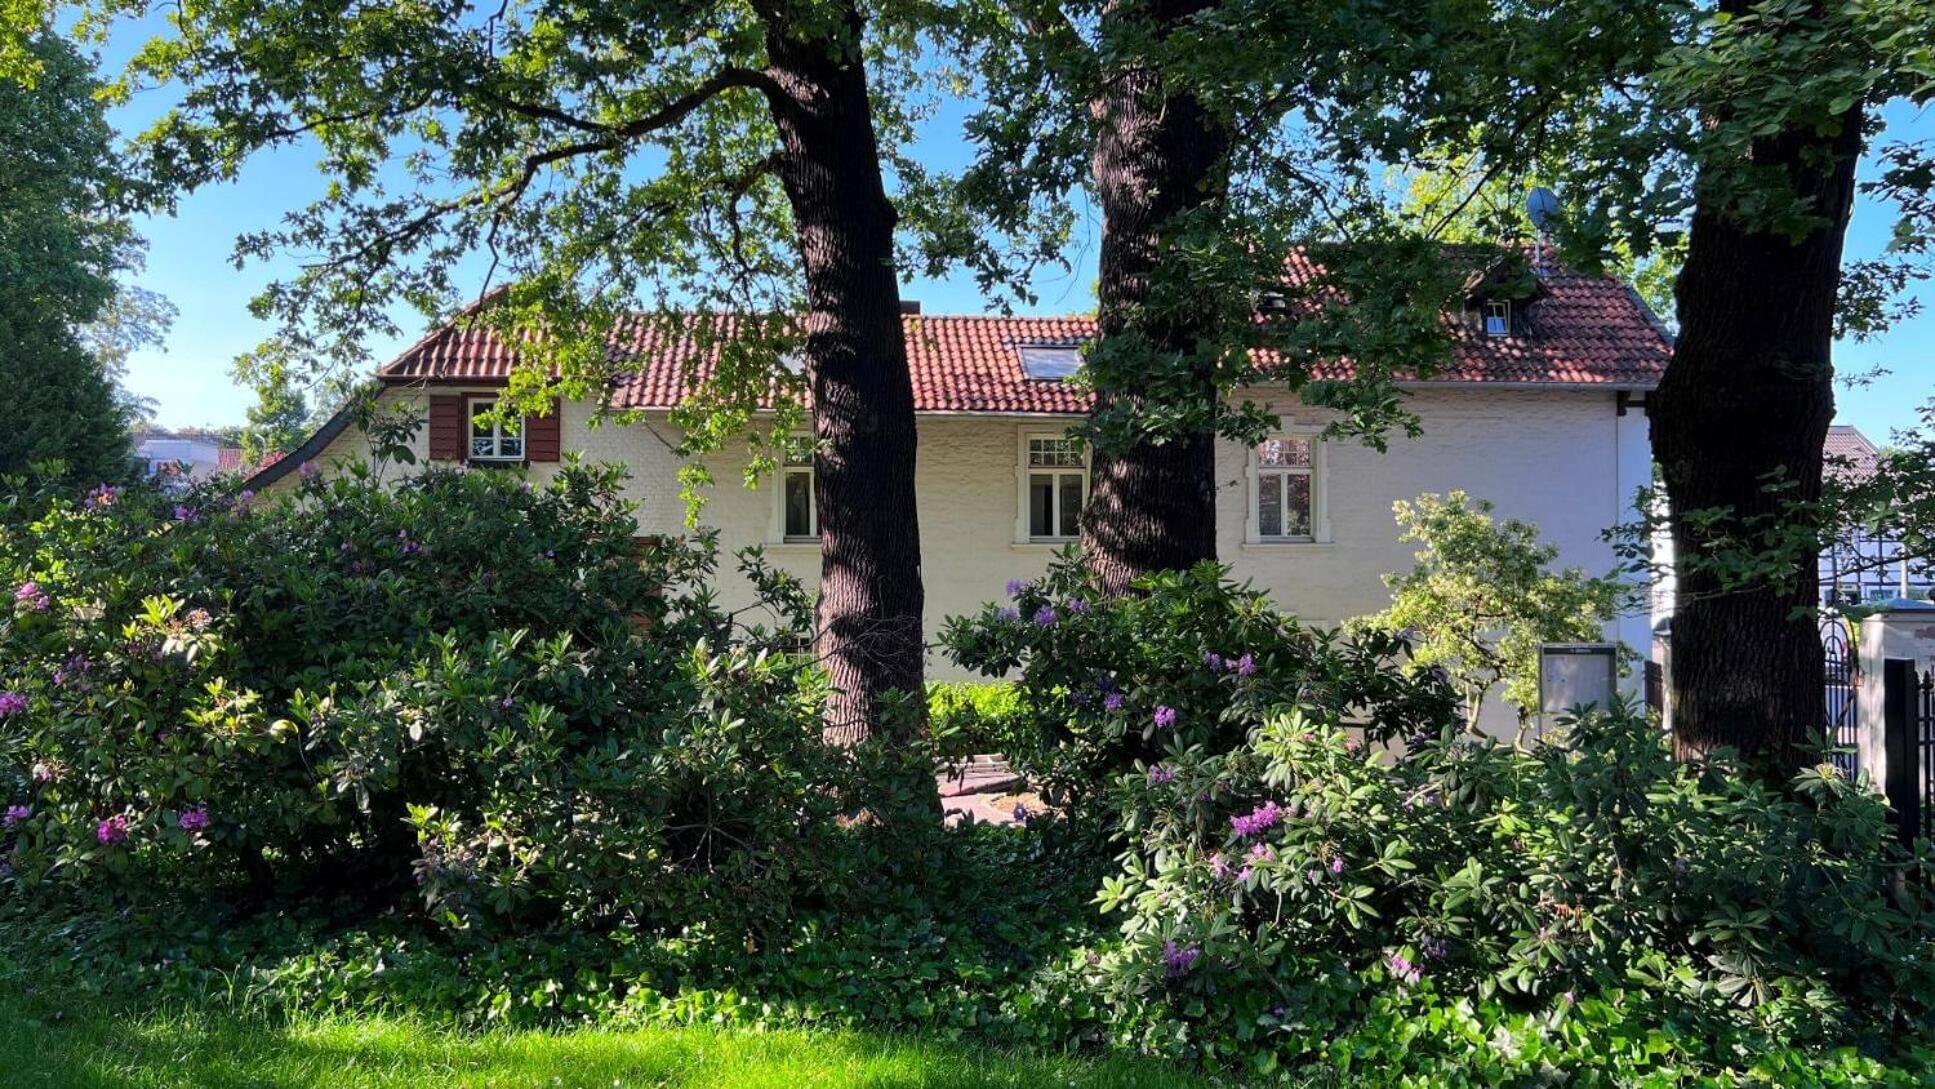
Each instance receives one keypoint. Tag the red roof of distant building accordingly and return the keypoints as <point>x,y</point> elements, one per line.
<point>1849,453</point>
<point>1583,330</point>
<point>228,457</point>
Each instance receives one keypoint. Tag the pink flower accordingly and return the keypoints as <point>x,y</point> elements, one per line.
<point>193,820</point>
<point>1337,864</point>
<point>103,496</point>
<point>1165,717</point>
<point>1160,775</point>
<point>1259,820</point>
<point>12,703</point>
<point>112,830</point>
<point>1245,666</point>
<point>1404,970</point>
<point>30,598</point>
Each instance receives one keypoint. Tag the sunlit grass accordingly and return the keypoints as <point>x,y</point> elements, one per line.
<point>45,1043</point>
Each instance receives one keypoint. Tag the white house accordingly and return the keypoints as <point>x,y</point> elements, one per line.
<point>185,455</point>
<point>1541,411</point>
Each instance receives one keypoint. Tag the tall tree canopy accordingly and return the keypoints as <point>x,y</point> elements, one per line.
<point>715,158</point>
<point>61,242</point>
<point>1217,136</point>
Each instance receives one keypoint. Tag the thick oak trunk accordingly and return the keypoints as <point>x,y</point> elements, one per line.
<point>1158,156</point>
<point>1746,401</point>
<point>869,620</point>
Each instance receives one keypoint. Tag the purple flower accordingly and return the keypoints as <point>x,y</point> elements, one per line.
<point>44,772</point>
<point>1008,613</point>
<point>1246,666</point>
<point>1177,959</point>
<point>1404,970</point>
<point>1214,661</point>
<point>306,470</point>
<point>30,597</point>
<point>103,496</point>
<point>1077,605</point>
<point>12,703</point>
<point>1046,616</point>
<point>1259,820</point>
<point>1434,948</point>
<point>185,514</point>
<point>1016,587</point>
<point>1159,774</point>
<point>111,831</point>
<point>247,497</point>
<point>1219,867</point>
<point>1337,864</point>
<point>1021,813</point>
<point>1165,717</point>
<point>16,814</point>
<point>1113,701</point>
<point>193,820</point>
<point>1261,852</point>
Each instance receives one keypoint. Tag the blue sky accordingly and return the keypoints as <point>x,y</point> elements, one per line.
<point>189,261</point>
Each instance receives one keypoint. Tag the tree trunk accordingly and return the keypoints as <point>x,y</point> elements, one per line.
<point>869,613</point>
<point>1747,399</point>
<point>1152,504</point>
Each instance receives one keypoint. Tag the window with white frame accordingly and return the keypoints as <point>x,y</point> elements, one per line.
<point>1498,318</point>
<point>1055,470</point>
<point>799,509</point>
<point>1285,491</point>
<point>489,439</point>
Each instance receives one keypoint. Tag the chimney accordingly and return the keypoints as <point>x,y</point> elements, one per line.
<point>910,306</point>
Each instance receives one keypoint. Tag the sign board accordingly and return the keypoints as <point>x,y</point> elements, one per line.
<point>1573,674</point>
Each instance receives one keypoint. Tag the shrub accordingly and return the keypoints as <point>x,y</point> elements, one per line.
<point>1484,596</point>
<point>461,686</point>
<point>968,718</point>
<point>1189,660</point>
<point>1488,908</point>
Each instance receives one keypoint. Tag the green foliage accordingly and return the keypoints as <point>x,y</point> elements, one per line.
<point>1470,911</point>
<point>1483,597</point>
<point>61,243</point>
<point>1188,660</point>
<point>278,422</point>
<point>967,718</point>
<point>458,690</point>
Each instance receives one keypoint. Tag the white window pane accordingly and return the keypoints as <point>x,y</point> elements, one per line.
<point>1269,505</point>
<point>1053,454</point>
<point>483,446</point>
<point>1296,506</point>
<point>799,504</point>
<point>1041,505</point>
<point>1288,451</point>
<point>1071,504</point>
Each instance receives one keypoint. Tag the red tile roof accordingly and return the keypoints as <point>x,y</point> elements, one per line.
<point>1850,454</point>
<point>1583,330</point>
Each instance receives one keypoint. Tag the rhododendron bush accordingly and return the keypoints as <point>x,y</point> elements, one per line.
<point>1304,894</point>
<point>1190,659</point>
<point>460,692</point>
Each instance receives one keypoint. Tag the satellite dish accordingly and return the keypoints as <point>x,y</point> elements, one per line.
<point>1542,205</point>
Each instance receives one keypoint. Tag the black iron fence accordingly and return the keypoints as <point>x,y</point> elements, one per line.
<point>1908,738</point>
<point>1843,732</point>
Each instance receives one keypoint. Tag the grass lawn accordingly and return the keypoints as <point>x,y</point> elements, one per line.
<point>80,1046</point>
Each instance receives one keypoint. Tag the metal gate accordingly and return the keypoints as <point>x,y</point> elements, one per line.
<point>1908,736</point>
<point>1839,701</point>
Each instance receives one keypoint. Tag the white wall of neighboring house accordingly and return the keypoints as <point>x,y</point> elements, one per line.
<point>161,452</point>
<point>1561,458</point>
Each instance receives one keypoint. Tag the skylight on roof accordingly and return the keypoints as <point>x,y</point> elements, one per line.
<point>1049,362</point>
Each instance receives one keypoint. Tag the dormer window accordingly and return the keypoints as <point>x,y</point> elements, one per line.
<point>1049,362</point>
<point>1498,318</point>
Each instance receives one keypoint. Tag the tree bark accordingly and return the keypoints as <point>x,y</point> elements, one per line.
<point>1158,155</point>
<point>869,613</point>
<point>1746,400</point>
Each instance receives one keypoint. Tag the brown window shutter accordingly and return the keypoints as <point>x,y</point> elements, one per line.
<point>446,428</point>
<point>543,436</point>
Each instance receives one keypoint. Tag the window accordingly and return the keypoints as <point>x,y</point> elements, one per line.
<point>1056,471</point>
<point>1049,362</point>
<point>799,502</point>
<point>488,439</point>
<point>1498,318</point>
<point>1285,494</point>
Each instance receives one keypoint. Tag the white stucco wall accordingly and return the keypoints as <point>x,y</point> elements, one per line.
<point>1561,459</point>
